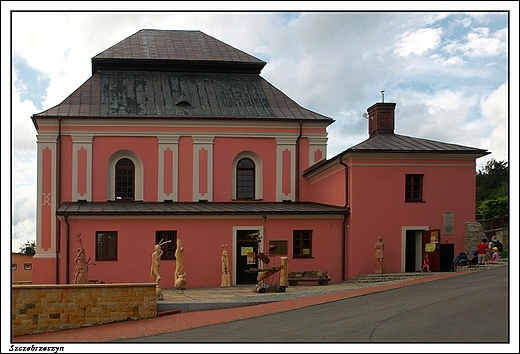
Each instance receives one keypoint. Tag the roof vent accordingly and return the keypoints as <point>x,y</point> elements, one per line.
<point>183,103</point>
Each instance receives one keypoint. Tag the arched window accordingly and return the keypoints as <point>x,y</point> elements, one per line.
<point>125,179</point>
<point>245,181</point>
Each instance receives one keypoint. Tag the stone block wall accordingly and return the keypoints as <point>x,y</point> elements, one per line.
<point>48,308</point>
<point>475,233</point>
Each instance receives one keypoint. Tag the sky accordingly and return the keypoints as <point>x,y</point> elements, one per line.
<point>450,73</point>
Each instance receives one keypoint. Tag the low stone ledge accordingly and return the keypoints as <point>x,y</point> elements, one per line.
<point>41,308</point>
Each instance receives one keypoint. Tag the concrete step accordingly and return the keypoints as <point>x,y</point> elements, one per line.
<point>373,278</point>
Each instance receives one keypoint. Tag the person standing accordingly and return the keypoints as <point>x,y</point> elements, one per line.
<point>482,249</point>
<point>426,263</point>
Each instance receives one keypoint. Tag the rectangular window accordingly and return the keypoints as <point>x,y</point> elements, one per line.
<point>13,266</point>
<point>27,266</point>
<point>168,248</point>
<point>106,245</point>
<point>414,188</point>
<point>302,244</point>
<point>277,247</point>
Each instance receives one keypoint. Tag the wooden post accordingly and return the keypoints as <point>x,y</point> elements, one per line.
<point>284,272</point>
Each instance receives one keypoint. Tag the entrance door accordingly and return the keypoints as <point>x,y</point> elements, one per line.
<point>246,251</point>
<point>431,245</point>
<point>410,251</point>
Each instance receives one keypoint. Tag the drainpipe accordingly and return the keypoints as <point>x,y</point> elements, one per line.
<point>346,179</point>
<point>58,200</point>
<point>297,197</point>
<point>67,238</point>
<point>344,226</point>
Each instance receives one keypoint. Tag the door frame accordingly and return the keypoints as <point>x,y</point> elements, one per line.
<point>260,247</point>
<point>418,245</point>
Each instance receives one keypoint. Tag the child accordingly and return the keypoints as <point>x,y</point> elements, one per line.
<point>495,256</point>
<point>426,263</point>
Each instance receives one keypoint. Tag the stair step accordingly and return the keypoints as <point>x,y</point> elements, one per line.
<point>168,312</point>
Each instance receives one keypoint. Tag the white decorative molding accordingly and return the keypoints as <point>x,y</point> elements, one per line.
<point>258,174</point>
<point>79,142</point>
<point>111,177</point>
<point>168,142</point>
<point>203,142</point>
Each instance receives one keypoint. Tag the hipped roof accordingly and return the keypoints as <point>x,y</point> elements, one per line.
<point>178,74</point>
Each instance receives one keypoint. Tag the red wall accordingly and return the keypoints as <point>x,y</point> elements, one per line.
<point>378,207</point>
<point>202,247</point>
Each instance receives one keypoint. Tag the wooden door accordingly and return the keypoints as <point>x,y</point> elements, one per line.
<point>431,241</point>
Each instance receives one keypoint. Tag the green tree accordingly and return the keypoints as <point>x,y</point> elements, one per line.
<point>493,189</point>
<point>29,247</point>
<point>494,208</point>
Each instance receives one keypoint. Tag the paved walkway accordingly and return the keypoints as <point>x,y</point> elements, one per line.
<point>229,304</point>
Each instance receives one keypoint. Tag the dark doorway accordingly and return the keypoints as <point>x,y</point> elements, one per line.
<point>246,251</point>
<point>410,251</point>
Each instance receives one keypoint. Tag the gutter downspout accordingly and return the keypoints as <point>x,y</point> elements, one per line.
<point>58,201</point>
<point>344,226</point>
<point>297,197</point>
<point>67,238</point>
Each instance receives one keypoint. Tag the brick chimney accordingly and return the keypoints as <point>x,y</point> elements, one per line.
<point>381,119</point>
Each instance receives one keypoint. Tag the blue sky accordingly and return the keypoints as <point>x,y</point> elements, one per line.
<point>447,71</point>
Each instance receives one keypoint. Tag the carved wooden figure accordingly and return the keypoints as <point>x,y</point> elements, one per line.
<point>225,281</point>
<point>81,271</point>
<point>179,277</point>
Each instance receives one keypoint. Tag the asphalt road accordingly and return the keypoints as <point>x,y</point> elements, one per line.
<point>472,308</point>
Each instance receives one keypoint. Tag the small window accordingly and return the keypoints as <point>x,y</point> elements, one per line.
<point>14,266</point>
<point>277,247</point>
<point>27,266</point>
<point>302,244</point>
<point>106,246</point>
<point>245,179</point>
<point>168,248</point>
<point>414,188</point>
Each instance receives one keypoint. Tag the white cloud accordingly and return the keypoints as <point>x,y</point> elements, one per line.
<point>480,44</point>
<point>419,42</point>
<point>494,110</point>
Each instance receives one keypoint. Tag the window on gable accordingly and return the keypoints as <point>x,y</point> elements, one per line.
<point>302,243</point>
<point>106,245</point>
<point>414,188</point>
<point>168,248</point>
<point>125,179</point>
<point>245,179</point>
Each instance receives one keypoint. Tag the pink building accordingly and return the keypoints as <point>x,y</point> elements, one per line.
<point>177,136</point>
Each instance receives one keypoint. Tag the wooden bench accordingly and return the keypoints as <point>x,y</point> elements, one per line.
<point>321,281</point>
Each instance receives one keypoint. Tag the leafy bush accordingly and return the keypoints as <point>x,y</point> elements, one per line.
<point>494,208</point>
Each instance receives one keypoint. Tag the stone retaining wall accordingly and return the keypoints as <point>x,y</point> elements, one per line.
<point>49,308</point>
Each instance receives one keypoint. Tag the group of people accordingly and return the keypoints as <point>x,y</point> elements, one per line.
<point>488,251</point>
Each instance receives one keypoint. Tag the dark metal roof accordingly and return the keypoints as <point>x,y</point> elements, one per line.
<point>197,208</point>
<point>175,51</point>
<point>141,94</point>
<point>394,143</point>
<point>381,143</point>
